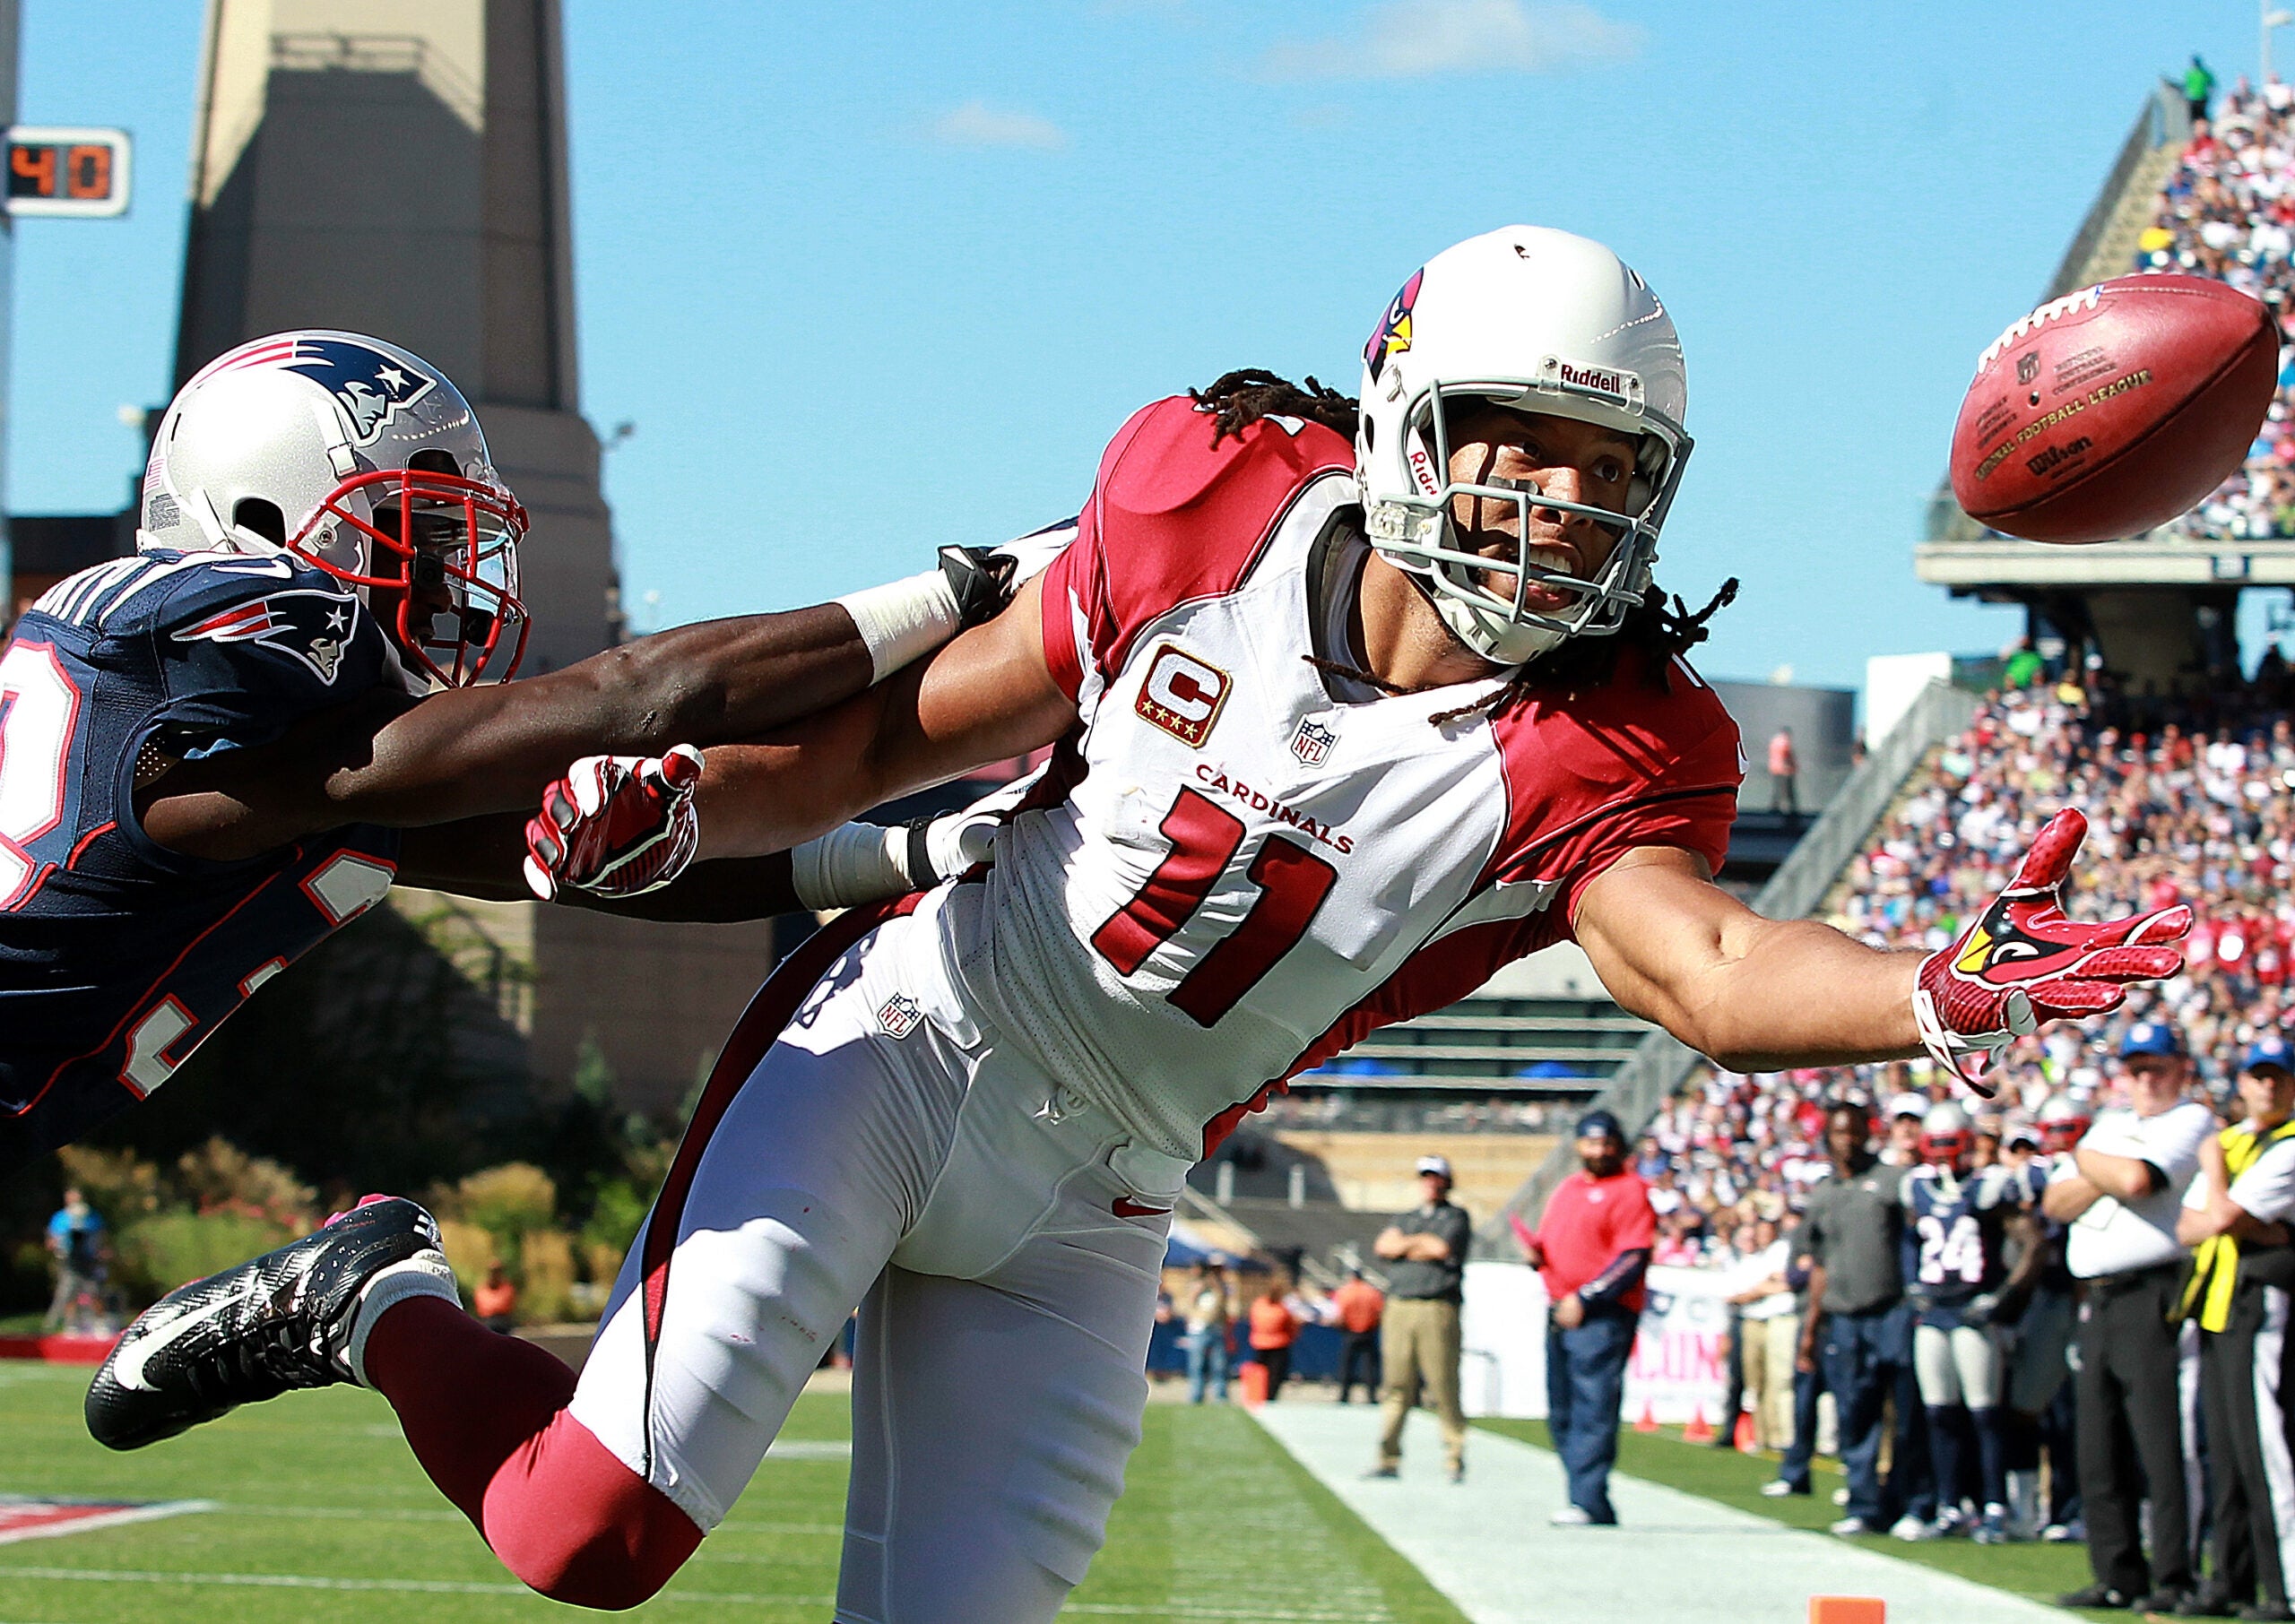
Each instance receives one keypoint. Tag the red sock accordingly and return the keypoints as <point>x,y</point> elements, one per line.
<point>486,1415</point>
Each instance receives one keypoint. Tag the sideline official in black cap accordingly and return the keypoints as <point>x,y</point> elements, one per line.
<point>1425,1255</point>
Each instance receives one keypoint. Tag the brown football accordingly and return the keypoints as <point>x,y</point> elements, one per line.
<point>2112,411</point>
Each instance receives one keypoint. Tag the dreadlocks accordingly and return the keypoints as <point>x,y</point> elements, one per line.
<point>1237,399</point>
<point>1241,398</point>
<point>1587,662</point>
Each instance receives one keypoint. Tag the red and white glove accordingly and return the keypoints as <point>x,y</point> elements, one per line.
<point>2021,962</point>
<point>616,826</point>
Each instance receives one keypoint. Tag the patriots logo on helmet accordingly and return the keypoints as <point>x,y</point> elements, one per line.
<point>1393,336</point>
<point>307,625</point>
<point>373,386</point>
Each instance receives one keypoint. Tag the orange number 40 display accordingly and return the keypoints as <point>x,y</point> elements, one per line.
<point>61,171</point>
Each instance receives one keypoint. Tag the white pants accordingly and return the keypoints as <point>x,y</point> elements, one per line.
<point>1000,1372</point>
<point>1957,1367</point>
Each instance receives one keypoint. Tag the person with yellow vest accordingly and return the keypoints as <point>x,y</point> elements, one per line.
<point>2235,1218</point>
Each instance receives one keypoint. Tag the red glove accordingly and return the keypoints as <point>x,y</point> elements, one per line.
<point>616,826</point>
<point>2021,962</point>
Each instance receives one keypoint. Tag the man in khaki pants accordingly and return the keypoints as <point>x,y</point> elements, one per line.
<point>1425,1253</point>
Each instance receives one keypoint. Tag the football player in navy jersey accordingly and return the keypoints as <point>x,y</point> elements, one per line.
<point>217,752</point>
<point>1956,1232</point>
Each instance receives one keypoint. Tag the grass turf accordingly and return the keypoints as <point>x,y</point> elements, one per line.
<point>323,1516</point>
<point>2035,1571</point>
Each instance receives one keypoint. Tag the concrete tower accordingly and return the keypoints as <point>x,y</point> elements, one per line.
<point>398,167</point>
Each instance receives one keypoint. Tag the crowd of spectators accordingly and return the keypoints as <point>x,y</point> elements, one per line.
<point>2199,807</point>
<point>2227,212</point>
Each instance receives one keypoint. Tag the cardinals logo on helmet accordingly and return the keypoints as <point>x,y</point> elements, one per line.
<point>309,627</point>
<point>1393,336</point>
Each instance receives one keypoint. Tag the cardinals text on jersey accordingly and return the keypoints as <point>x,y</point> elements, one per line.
<point>118,957</point>
<point>1249,869</point>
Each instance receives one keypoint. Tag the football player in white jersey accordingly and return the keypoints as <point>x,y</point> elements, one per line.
<point>1351,709</point>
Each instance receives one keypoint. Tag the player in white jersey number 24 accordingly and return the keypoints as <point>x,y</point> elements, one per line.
<point>1352,705</point>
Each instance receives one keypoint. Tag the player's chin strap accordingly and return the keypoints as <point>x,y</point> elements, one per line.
<point>1954,1050</point>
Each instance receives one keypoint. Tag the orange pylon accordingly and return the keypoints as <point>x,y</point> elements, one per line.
<point>1699,1430</point>
<point>1648,1422</point>
<point>1847,1610</point>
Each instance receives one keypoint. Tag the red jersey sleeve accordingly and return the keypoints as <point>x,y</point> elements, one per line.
<point>1173,518</point>
<point>1593,775</point>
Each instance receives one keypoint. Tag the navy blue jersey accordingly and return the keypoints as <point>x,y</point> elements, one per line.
<point>1954,1236</point>
<point>118,957</point>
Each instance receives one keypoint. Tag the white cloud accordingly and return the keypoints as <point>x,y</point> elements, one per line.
<point>975,123</point>
<point>1420,38</point>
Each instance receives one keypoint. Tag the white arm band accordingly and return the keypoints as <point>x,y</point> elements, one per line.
<point>904,620</point>
<point>856,863</point>
<point>851,864</point>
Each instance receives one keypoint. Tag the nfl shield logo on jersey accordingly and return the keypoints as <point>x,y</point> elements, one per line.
<point>1312,742</point>
<point>898,1016</point>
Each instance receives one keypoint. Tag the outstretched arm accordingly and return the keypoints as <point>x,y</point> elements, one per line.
<point>390,758</point>
<point>986,696</point>
<point>1753,994</point>
<point>480,857</point>
<point>1759,994</point>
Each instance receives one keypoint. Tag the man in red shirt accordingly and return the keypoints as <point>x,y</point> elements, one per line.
<point>1592,1250</point>
<point>1359,1306</point>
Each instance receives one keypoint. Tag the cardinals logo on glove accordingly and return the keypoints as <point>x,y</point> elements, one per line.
<point>2021,962</point>
<point>616,826</point>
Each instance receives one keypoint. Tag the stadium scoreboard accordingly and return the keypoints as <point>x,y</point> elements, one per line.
<point>67,172</point>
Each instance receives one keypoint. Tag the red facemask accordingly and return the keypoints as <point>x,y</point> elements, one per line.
<point>455,545</point>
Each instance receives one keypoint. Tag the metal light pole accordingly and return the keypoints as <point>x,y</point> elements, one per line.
<point>2271,20</point>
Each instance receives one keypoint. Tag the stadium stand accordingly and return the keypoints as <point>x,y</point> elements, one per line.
<point>2186,770</point>
<point>2226,211</point>
<point>2199,804</point>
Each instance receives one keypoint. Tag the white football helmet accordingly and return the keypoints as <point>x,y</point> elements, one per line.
<point>1534,320</point>
<point>364,460</point>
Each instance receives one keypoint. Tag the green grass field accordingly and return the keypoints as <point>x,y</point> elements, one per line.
<point>323,1515</point>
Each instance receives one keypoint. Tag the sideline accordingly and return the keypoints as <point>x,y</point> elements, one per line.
<point>1487,1544</point>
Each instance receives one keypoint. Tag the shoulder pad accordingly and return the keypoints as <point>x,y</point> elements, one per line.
<point>203,586</point>
<point>157,591</point>
<point>1163,459</point>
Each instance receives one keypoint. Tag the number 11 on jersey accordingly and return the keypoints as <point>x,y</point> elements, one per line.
<point>1205,837</point>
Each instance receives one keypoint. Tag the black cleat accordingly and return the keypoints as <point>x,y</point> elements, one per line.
<point>251,1332</point>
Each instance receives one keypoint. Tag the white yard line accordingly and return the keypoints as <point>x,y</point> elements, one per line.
<point>1487,1544</point>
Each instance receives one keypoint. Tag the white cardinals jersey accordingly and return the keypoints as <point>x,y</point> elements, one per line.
<point>1233,870</point>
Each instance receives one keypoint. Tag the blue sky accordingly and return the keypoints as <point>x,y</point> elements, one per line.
<point>870,277</point>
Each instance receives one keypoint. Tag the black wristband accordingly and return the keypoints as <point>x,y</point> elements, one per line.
<point>921,873</point>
